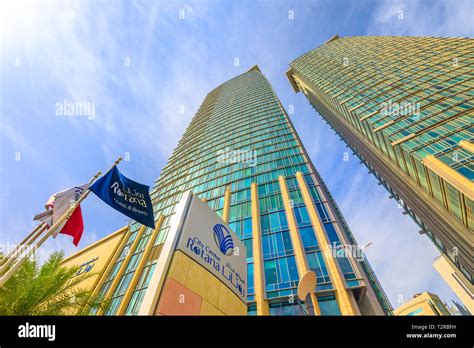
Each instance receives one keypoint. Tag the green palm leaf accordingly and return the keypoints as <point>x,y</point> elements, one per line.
<point>47,289</point>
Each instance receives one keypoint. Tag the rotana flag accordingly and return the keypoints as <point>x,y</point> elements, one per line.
<point>127,196</point>
<point>57,205</point>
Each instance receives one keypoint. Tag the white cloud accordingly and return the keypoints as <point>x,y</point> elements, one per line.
<point>13,135</point>
<point>417,18</point>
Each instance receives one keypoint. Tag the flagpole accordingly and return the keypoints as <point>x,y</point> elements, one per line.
<point>13,252</point>
<point>23,246</point>
<point>22,250</point>
<point>54,227</point>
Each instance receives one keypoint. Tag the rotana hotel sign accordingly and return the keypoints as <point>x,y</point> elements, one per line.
<point>198,232</point>
<point>210,242</point>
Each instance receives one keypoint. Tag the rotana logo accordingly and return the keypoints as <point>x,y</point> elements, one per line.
<point>223,239</point>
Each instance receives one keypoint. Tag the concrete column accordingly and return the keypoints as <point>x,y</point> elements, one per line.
<point>259,278</point>
<point>110,264</point>
<point>226,211</point>
<point>141,265</point>
<point>298,248</point>
<point>342,295</point>
<point>124,265</point>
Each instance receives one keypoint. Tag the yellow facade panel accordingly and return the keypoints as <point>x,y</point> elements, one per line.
<point>423,304</point>
<point>209,309</point>
<point>197,279</point>
<point>457,180</point>
<point>229,303</point>
<point>95,258</point>
<point>467,145</point>
<point>463,290</point>
<point>217,298</point>
<point>179,267</point>
<point>212,293</point>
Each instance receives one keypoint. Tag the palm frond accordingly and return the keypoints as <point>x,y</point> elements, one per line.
<point>49,289</point>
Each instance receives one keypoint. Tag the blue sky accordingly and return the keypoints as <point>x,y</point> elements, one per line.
<point>148,65</point>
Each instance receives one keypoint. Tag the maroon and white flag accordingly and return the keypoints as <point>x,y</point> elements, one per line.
<point>57,205</point>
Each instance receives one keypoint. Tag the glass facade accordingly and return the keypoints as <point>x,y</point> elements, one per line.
<point>405,105</point>
<point>241,136</point>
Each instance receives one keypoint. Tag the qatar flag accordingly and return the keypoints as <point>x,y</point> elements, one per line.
<point>57,205</point>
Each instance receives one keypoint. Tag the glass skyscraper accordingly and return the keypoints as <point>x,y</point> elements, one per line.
<point>243,157</point>
<point>405,105</point>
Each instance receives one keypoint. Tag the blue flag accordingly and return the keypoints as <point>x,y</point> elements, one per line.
<point>127,196</point>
